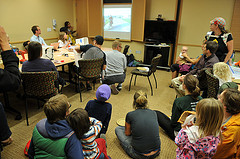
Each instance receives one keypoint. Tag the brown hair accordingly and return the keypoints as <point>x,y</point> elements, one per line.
<point>212,46</point>
<point>222,29</point>
<point>61,36</point>
<point>34,28</point>
<point>231,99</point>
<point>191,83</point>
<point>56,108</point>
<point>140,100</point>
<point>34,50</point>
<point>116,43</point>
<point>79,122</point>
<point>209,117</point>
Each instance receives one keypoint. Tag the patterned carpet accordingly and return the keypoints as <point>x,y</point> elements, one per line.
<point>162,100</point>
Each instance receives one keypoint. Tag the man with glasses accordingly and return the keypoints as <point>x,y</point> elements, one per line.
<point>116,67</point>
<point>36,32</point>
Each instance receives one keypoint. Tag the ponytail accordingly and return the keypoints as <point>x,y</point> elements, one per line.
<point>140,100</point>
<point>191,83</point>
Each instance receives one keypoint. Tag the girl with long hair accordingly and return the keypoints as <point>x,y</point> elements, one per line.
<point>200,140</point>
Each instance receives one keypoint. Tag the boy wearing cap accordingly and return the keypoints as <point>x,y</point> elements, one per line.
<point>222,37</point>
<point>99,108</point>
<point>93,52</point>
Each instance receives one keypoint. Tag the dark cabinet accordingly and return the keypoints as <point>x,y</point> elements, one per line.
<point>151,51</point>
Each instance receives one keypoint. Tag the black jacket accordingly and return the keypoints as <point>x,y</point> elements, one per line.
<point>10,75</point>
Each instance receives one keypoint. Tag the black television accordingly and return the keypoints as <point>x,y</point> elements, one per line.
<point>160,31</point>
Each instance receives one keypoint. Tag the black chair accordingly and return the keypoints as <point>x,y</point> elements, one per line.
<point>152,69</point>
<point>125,51</point>
<point>89,70</point>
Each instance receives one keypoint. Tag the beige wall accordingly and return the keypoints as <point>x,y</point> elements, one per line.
<point>153,8</point>
<point>18,16</point>
<point>195,19</point>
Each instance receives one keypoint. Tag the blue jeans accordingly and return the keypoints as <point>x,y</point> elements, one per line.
<point>126,141</point>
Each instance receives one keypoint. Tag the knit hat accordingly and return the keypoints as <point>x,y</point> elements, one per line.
<point>218,21</point>
<point>103,93</point>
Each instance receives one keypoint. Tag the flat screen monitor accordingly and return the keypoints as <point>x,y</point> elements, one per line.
<point>160,31</point>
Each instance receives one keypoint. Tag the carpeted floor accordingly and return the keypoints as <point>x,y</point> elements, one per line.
<point>122,103</point>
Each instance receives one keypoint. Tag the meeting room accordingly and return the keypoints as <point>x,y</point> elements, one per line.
<point>119,79</point>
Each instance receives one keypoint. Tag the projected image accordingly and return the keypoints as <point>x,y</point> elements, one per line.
<point>117,19</point>
<point>117,22</point>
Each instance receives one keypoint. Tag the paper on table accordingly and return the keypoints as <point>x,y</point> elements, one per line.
<point>236,72</point>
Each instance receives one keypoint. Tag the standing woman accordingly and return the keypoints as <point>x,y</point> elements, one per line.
<point>140,136</point>
<point>222,37</point>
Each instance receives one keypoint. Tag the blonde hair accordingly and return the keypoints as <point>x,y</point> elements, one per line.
<point>61,36</point>
<point>140,100</point>
<point>222,71</point>
<point>115,44</point>
<point>210,115</point>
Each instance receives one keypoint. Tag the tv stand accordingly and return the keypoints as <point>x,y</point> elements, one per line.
<point>151,50</point>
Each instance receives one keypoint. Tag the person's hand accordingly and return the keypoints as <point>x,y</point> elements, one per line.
<point>181,78</point>
<point>184,55</point>
<point>189,121</point>
<point>4,40</point>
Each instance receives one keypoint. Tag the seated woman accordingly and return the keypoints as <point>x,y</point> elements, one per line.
<point>222,71</point>
<point>37,64</point>
<point>63,42</point>
<point>185,103</point>
<point>140,136</point>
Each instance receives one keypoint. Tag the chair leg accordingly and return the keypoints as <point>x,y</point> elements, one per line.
<point>130,83</point>
<point>155,79</point>
<point>135,80</point>
<point>9,108</point>
<point>150,85</point>
<point>26,111</point>
<point>79,88</point>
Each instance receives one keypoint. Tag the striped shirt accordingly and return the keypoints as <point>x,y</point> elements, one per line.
<point>90,149</point>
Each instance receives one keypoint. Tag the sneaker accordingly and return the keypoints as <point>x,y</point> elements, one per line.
<point>103,136</point>
<point>7,142</point>
<point>114,89</point>
<point>119,87</point>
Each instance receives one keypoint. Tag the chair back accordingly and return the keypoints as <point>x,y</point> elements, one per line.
<point>212,84</point>
<point>125,51</point>
<point>39,84</point>
<point>154,64</point>
<point>91,68</point>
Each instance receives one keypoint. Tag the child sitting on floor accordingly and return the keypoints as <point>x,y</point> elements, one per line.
<point>100,109</point>
<point>53,137</point>
<point>200,139</point>
<point>87,129</point>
